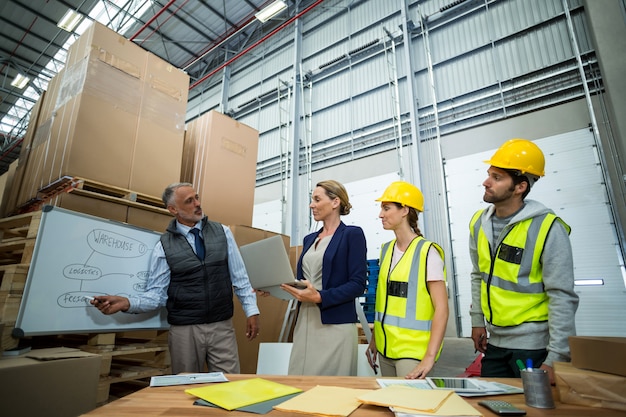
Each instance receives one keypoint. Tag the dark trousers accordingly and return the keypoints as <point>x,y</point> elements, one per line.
<point>501,362</point>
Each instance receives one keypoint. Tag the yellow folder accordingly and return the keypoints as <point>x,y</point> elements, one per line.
<point>236,394</point>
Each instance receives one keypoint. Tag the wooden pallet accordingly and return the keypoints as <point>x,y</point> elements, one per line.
<point>17,252</point>
<point>23,226</point>
<point>90,188</point>
<point>129,359</point>
<point>117,192</point>
<point>7,341</point>
<point>9,307</point>
<point>13,278</point>
<point>126,356</point>
<point>44,194</point>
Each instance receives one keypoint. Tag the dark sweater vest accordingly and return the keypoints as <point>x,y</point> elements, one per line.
<point>199,291</point>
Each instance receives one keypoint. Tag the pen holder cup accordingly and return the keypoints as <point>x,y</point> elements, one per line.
<point>537,389</point>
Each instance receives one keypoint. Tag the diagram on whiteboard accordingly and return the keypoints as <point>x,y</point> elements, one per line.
<point>76,257</point>
<point>109,249</point>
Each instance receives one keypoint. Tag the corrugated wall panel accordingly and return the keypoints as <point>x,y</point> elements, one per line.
<point>269,61</point>
<point>529,35</point>
<point>269,146</point>
<point>332,90</point>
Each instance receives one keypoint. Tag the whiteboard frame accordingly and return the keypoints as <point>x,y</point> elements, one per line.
<point>126,274</point>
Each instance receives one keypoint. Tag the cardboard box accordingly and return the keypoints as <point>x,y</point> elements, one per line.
<point>598,353</point>
<point>157,156</point>
<point>156,220</point>
<point>589,388</point>
<point>94,130</point>
<point>223,161</point>
<point>93,206</point>
<point>272,313</point>
<point>57,382</point>
<point>14,184</point>
<point>32,161</point>
<point>247,234</point>
<point>272,309</point>
<point>294,255</point>
<point>114,115</point>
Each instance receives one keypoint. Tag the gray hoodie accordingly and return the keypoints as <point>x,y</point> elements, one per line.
<point>558,279</point>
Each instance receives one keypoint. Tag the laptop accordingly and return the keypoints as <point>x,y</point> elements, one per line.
<point>268,266</point>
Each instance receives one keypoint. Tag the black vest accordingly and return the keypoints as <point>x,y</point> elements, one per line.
<point>199,291</point>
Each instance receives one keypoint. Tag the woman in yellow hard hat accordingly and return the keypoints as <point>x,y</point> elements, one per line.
<point>411,296</point>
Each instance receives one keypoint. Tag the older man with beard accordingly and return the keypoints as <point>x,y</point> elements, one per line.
<point>193,270</point>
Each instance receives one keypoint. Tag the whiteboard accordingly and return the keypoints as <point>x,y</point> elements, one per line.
<point>78,255</point>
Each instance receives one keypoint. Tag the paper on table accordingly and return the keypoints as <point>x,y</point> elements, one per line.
<point>231,395</point>
<point>453,406</point>
<point>324,401</point>
<point>406,397</point>
<point>184,379</point>
<point>414,383</point>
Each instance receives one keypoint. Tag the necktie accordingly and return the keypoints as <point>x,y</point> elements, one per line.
<point>199,243</point>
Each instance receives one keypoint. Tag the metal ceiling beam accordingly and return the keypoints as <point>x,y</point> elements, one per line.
<point>35,12</point>
<point>21,29</point>
<point>17,94</point>
<point>257,43</point>
<point>161,35</point>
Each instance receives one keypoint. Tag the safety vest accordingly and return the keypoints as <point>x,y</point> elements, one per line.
<point>512,290</point>
<point>404,309</point>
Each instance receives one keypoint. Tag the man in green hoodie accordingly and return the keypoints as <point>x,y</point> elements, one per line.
<point>523,299</point>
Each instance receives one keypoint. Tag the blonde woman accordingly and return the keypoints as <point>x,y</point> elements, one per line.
<point>411,297</point>
<point>333,265</point>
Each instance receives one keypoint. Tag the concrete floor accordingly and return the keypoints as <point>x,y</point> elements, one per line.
<point>457,354</point>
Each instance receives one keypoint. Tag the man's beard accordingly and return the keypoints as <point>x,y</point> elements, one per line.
<point>494,198</point>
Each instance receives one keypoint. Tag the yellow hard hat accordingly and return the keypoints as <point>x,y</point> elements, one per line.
<point>404,193</point>
<point>521,155</point>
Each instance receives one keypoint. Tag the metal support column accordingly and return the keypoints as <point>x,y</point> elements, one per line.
<point>284,126</point>
<point>407,24</point>
<point>619,230</point>
<point>307,132</point>
<point>392,72</point>
<point>295,208</point>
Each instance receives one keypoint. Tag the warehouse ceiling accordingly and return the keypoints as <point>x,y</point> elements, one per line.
<point>198,36</point>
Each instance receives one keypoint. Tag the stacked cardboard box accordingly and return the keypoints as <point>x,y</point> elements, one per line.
<point>597,375</point>
<point>220,156</point>
<point>64,382</point>
<point>115,114</point>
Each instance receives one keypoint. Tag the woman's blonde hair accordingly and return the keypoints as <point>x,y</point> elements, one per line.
<point>334,189</point>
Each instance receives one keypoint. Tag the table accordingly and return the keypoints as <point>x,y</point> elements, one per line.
<point>173,401</point>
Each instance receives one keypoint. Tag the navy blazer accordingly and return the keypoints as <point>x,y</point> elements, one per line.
<point>344,273</point>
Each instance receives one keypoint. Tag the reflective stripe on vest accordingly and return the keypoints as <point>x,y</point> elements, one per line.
<point>512,290</point>
<point>404,310</point>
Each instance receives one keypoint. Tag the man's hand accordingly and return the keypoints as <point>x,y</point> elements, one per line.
<point>550,372</point>
<point>110,304</point>
<point>252,327</point>
<point>479,336</point>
